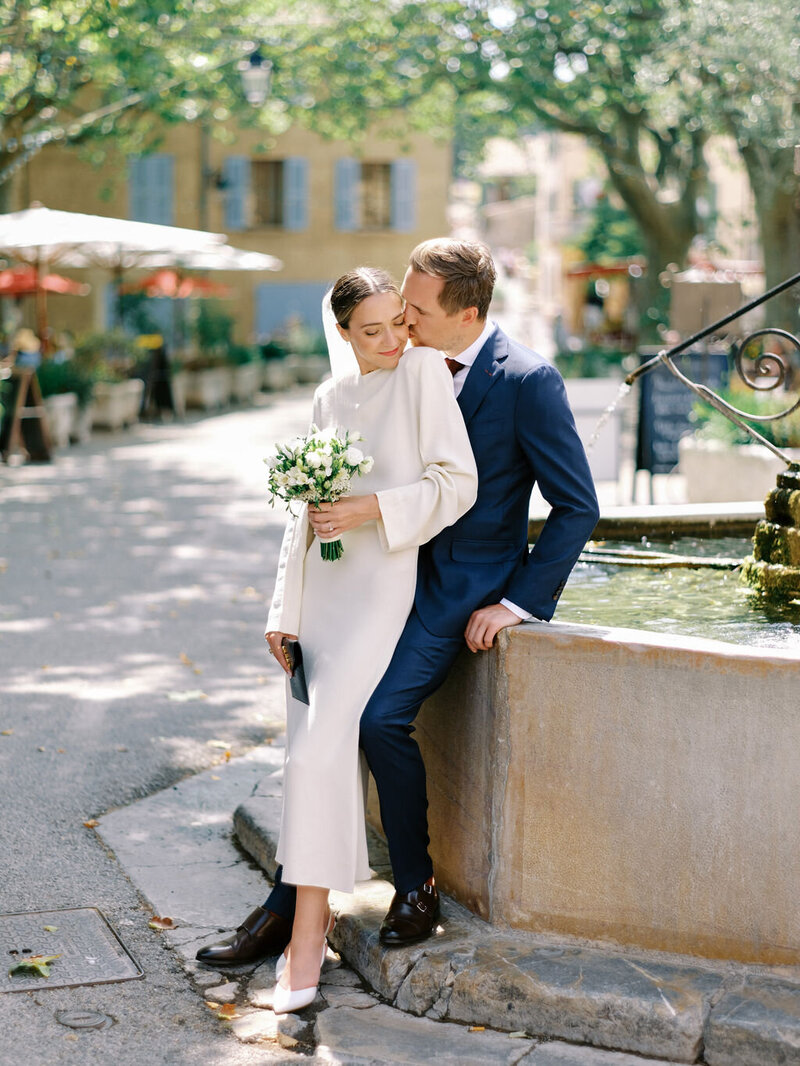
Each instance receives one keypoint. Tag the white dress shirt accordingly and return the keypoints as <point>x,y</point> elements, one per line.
<point>468,357</point>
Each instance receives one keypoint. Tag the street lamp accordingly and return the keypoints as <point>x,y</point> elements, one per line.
<point>256,72</point>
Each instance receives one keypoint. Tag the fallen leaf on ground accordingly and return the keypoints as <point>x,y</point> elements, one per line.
<point>197,670</point>
<point>7,733</point>
<point>211,1004</point>
<point>161,923</point>
<point>218,744</point>
<point>227,1011</point>
<point>519,1035</point>
<point>215,777</point>
<point>38,964</point>
<point>477,1029</point>
<point>227,756</point>
<point>92,823</point>
<point>185,659</point>
<point>50,928</point>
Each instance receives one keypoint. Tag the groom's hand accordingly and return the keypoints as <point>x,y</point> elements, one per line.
<point>485,623</point>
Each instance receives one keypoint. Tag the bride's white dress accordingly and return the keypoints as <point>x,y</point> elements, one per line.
<point>349,614</point>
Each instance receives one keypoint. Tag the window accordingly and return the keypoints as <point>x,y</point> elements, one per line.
<point>376,195</point>
<point>371,196</point>
<point>265,192</point>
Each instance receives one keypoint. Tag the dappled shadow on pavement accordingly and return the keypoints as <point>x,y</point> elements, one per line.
<point>136,571</point>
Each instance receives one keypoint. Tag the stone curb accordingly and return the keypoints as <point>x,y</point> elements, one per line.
<point>646,1003</point>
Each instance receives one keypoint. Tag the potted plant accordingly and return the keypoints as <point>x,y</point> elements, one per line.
<point>245,372</point>
<point>308,353</point>
<point>111,357</point>
<point>722,463</point>
<point>276,372</point>
<point>209,383</point>
<point>66,393</point>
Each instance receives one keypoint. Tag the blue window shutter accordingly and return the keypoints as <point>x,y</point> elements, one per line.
<point>137,189</point>
<point>236,174</point>
<point>151,189</point>
<point>295,193</point>
<point>162,184</point>
<point>404,195</point>
<point>347,180</point>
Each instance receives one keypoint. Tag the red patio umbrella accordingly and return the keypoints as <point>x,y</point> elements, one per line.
<point>26,281</point>
<point>178,286</point>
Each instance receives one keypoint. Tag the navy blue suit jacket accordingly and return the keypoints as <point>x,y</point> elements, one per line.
<point>522,433</point>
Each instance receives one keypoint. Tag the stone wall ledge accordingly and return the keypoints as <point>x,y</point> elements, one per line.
<point>655,1004</point>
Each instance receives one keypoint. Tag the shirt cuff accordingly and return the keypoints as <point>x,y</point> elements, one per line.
<point>518,611</point>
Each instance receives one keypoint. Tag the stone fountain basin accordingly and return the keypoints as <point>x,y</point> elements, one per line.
<point>621,785</point>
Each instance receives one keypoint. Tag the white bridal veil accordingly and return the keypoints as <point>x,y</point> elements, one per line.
<point>342,358</point>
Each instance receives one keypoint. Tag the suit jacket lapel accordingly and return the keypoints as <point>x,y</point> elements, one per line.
<point>484,372</point>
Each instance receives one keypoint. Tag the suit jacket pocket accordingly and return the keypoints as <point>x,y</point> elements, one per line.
<point>483,551</point>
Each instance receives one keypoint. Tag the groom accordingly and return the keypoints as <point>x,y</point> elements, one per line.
<point>474,579</point>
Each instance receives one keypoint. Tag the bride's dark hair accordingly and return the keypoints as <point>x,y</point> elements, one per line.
<point>355,286</point>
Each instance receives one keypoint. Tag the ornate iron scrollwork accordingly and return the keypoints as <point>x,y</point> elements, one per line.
<point>769,370</point>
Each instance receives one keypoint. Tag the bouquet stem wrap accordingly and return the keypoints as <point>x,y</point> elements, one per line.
<point>317,469</point>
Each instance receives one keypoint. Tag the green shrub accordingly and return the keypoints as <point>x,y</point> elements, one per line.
<point>58,378</point>
<point>592,362</point>
<point>107,356</point>
<point>713,425</point>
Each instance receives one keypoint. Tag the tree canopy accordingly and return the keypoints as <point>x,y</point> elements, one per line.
<point>647,82</point>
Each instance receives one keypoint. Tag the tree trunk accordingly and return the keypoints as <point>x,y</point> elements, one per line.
<point>776,189</point>
<point>668,231</point>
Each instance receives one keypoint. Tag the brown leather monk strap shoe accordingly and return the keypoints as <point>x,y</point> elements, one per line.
<point>412,915</point>
<point>260,935</point>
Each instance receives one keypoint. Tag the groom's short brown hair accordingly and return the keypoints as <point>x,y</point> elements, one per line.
<point>465,267</point>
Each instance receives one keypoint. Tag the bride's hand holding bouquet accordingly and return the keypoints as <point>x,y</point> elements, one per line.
<point>317,470</point>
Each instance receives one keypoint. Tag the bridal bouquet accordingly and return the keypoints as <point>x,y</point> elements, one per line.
<point>317,469</point>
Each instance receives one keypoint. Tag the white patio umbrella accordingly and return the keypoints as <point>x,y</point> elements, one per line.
<point>44,238</point>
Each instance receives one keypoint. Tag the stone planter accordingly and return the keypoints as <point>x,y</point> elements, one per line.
<point>116,403</point>
<point>62,409</point>
<point>179,384</point>
<point>722,473</point>
<point>308,369</point>
<point>245,382</point>
<point>81,425</point>
<point>276,374</point>
<point>590,399</point>
<point>208,389</point>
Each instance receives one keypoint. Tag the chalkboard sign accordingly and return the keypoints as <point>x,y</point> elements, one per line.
<point>665,404</point>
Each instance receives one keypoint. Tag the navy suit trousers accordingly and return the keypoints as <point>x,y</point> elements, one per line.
<point>419,666</point>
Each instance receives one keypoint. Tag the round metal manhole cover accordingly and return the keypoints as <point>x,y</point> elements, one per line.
<point>84,1019</point>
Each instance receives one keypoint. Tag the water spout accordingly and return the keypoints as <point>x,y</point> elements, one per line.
<point>624,389</point>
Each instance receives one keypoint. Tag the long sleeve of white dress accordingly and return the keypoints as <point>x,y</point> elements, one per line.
<point>412,514</point>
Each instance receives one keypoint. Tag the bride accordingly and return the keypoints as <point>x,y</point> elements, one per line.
<point>348,614</point>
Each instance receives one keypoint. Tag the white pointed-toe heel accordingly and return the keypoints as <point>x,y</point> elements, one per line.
<point>286,1000</point>
<point>280,965</point>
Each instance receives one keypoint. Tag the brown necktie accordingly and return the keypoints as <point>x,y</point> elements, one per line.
<point>453,365</point>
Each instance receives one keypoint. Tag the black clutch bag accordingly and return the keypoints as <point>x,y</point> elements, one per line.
<point>293,655</point>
